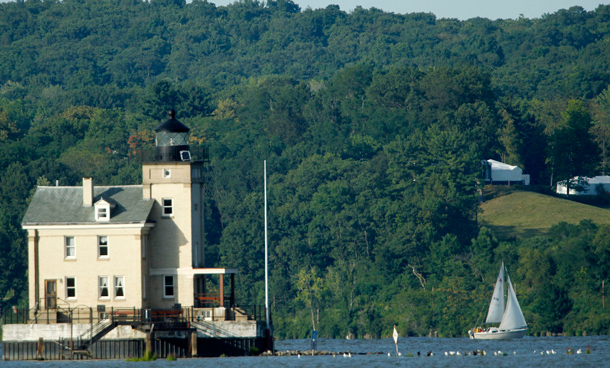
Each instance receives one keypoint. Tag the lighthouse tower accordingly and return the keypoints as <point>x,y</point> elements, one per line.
<point>175,182</point>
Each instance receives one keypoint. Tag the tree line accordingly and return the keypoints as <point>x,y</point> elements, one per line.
<point>373,125</point>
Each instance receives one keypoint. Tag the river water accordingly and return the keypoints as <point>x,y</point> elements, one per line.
<point>524,352</point>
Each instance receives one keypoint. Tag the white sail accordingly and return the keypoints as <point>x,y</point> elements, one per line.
<point>496,307</point>
<point>513,317</point>
<point>512,322</point>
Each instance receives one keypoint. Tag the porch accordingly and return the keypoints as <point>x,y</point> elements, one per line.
<point>210,287</point>
<point>93,315</point>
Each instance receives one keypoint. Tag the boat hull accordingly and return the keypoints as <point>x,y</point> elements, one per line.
<point>497,334</point>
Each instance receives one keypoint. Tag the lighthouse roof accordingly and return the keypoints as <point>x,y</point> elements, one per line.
<point>172,125</point>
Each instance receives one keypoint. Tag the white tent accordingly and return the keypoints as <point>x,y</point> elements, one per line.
<point>590,186</point>
<point>503,173</point>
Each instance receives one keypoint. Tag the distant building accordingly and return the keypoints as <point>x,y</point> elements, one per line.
<point>499,173</point>
<point>127,257</point>
<point>136,246</point>
<point>581,185</point>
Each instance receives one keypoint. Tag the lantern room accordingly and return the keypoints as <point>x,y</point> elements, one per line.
<point>171,140</point>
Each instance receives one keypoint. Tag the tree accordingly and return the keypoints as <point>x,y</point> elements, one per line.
<point>601,126</point>
<point>8,128</point>
<point>160,98</point>
<point>573,151</point>
<point>310,287</point>
<point>195,100</point>
<point>523,139</point>
<point>552,305</point>
<point>14,192</point>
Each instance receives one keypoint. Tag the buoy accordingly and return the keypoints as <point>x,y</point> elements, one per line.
<point>579,351</point>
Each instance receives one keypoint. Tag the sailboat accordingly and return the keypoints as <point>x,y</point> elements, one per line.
<point>512,322</point>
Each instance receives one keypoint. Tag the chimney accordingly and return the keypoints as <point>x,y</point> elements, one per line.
<point>87,192</point>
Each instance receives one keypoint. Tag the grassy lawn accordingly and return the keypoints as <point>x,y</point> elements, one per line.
<point>521,214</point>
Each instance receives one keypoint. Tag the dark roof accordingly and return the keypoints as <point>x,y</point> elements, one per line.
<point>172,125</point>
<point>63,205</point>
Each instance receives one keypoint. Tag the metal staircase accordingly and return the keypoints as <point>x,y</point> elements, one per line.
<point>96,332</point>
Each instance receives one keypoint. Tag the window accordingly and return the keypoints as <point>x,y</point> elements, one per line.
<point>168,208</point>
<point>119,286</point>
<point>171,138</point>
<point>185,155</point>
<point>101,214</point>
<point>168,286</point>
<point>70,288</point>
<point>143,287</point>
<point>102,246</point>
<point>103,287</point>
<point>196,173</point>
<point>143,246</point>
<point>102,210</point>
<point>167,173</point>
<point>70,247</point>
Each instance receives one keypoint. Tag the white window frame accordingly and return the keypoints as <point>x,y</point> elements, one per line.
<point>100,246</point>
<point>101,213</point>
<point>185,155</point>
<point>167,208</point>
<point>167,285</point>
<point>119,286</point>
<point>101,287</point>
<point>69,247</point>
<point>68,288</point>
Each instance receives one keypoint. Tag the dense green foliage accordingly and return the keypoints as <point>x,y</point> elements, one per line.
<point>373,126</point>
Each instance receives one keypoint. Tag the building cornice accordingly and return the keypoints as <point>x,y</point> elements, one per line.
<point>77,226</point>
<point>190,271</point>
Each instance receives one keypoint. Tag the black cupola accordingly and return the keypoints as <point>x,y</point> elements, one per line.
<point>172,140</point>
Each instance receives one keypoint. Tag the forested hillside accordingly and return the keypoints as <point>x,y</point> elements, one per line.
<point>373,126</point>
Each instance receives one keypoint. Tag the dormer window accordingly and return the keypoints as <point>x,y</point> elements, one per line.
<point>102,214</point>
<point>102,211</point>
